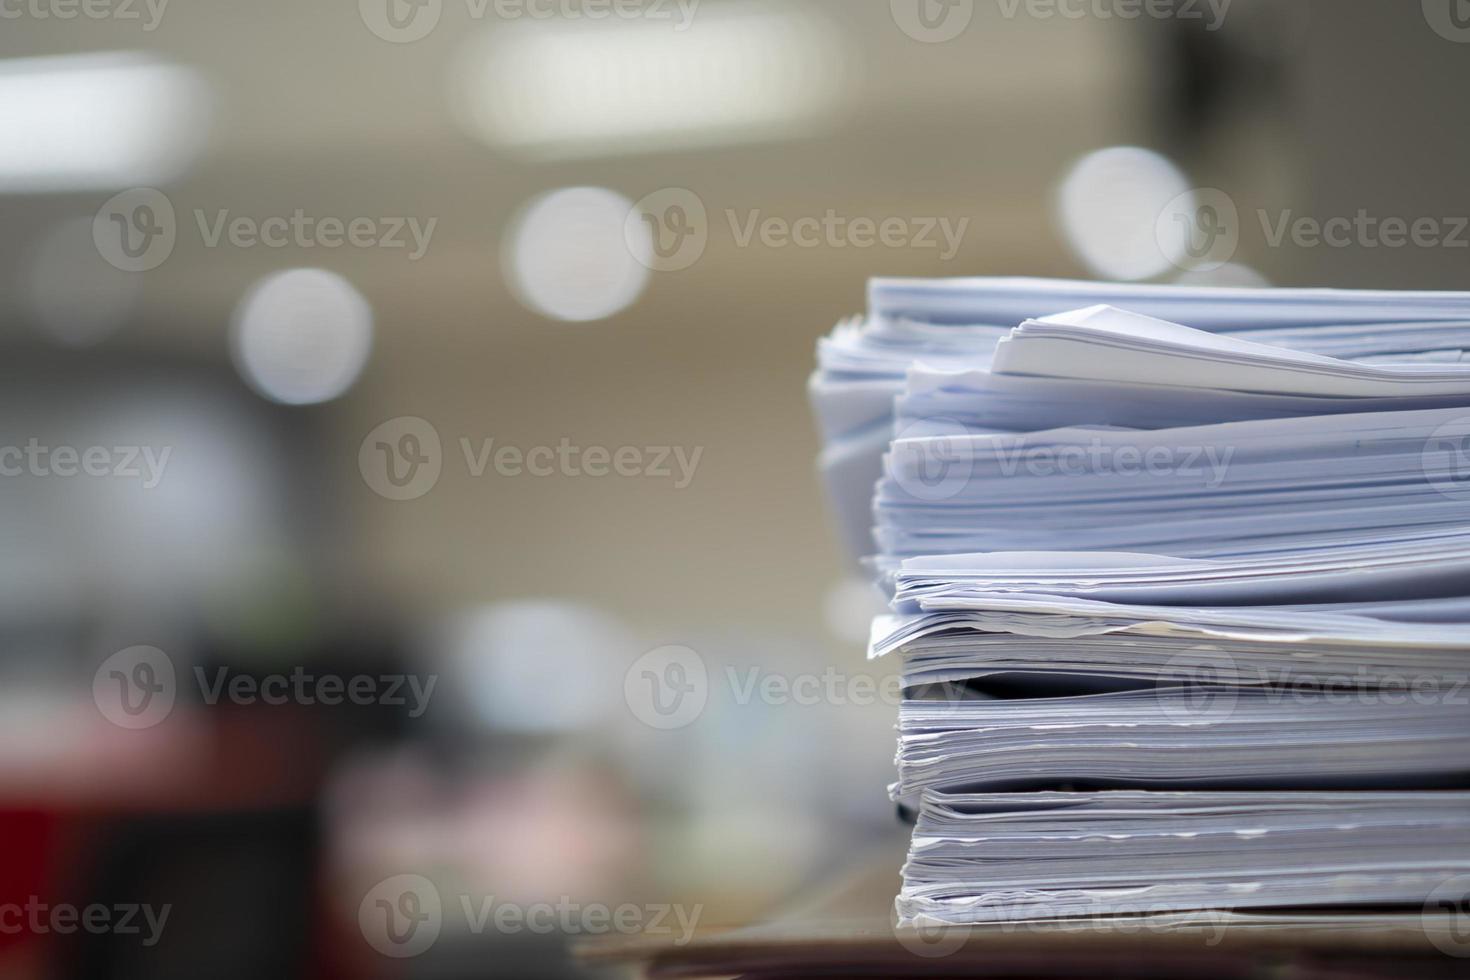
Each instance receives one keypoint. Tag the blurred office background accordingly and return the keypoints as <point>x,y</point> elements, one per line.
<point>524,133</point>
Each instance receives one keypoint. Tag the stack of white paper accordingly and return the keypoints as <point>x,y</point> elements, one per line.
<point>1188,736</point>
<point>998,857</point>
<point>1232,646</point>
<point>956,325</point>
<point>1204,554</point>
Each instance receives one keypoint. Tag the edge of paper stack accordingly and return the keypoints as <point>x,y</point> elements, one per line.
<point>1180,588</point>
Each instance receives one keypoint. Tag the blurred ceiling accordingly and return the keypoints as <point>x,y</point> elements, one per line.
<point>312,111</point>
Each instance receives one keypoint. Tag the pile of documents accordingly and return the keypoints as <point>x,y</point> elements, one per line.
<point>916,329</point>
<point>1180,584</point>
<point>1049,855</point>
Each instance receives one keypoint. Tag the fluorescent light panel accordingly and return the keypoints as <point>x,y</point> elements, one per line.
<point>97,122</point>
<point>580,88</point>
